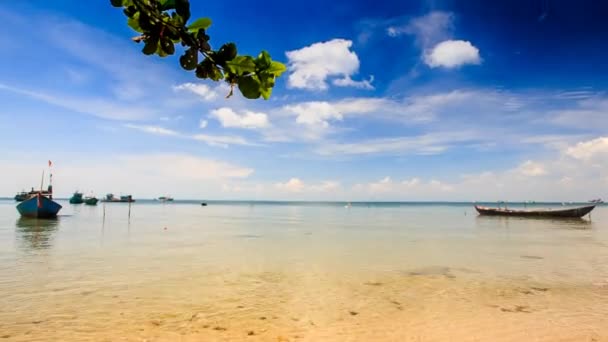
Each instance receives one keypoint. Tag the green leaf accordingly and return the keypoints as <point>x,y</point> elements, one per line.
<point>266,92</point>
<point>227,52</point>
<point>182,7</point>
<point>201,71</point>
<point>250,87</point>
<point>167,45</point>
<point>276,68</point>
<point>167,5</point>
<point>241,65</point>
<point>263,61</point>
<point>201,23</point>
<point>134,23</point>
<point>151,46</point>
<point>116,3</point>
<point>266,79</point>
<point>189,59</point>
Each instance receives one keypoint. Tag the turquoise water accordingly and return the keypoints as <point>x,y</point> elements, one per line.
<point>96,272</point>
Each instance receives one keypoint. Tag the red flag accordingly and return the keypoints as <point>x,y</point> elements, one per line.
<point>50,163</point>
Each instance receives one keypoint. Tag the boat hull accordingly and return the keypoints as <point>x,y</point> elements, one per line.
<point>563,213</point>
<point>91,201</point>
<point>38,207</point>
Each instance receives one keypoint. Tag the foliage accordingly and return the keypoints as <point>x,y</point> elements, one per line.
<point>164,23</point>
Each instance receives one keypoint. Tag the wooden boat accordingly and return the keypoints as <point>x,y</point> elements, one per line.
<point>165,199</point>
<point>564,213</point>
<point>90,200</point>
<point>76,198</point>
<point>122,199</point>
<point>39,206</point>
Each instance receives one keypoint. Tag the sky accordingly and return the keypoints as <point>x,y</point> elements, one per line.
<point>383,101</point>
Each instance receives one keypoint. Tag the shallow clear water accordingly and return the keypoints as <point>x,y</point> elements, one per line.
<point>300,271</point>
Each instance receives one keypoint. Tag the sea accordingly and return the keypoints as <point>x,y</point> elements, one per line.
<point>301,271</point>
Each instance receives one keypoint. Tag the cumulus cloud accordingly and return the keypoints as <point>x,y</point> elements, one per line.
<point>312,65</point>
<point>296,185</point>
<point>587,150</point>
<point>292,185</point>
<point>452,54</point>
<point>314,113</point>
<point>247,119</point>
<point>531,169</point>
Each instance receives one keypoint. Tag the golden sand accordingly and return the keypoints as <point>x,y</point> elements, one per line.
<point>429,304</point>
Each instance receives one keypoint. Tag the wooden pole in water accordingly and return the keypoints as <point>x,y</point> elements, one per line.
<point>129,211</point>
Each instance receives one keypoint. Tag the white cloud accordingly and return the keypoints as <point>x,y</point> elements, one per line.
<point>205,92</point>
<point>588,150</point>
<point>428,29</point>
<point>312,65</point>
<point>589,113</point>
<point>248,119</point>
<point>212,140</point>
<point>452,54</point>
<point>203,123</point>
<point>403,189</point>
<point>349,82</point>
<point>426,144</point>
<point>292,185</point>
<point>531,169</point>
<point>296,185</point>
<point>221,140</point>
<point>314,113</point>
<point>153,129</point>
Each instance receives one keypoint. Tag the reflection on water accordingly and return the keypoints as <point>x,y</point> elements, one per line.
<point>33,233</point>
<point>536,222</point>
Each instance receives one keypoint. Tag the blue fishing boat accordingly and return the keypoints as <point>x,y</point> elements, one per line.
<point>39,206</point>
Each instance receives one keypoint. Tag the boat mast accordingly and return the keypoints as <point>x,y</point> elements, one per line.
<point>42,182</point>
<point>50,180</point>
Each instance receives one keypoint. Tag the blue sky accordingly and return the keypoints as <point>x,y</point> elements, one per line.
<point>435,100</point>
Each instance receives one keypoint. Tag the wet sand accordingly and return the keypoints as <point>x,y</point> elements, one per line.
<point>429,304</point>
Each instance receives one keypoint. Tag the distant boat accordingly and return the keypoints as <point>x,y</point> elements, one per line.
<point>122,199</point>
<point>165,199</point>
<point>90,200</point>
<point>76,198</point>
<point>21,196</point>
<point>597,200</point>
<point>564,213</point>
